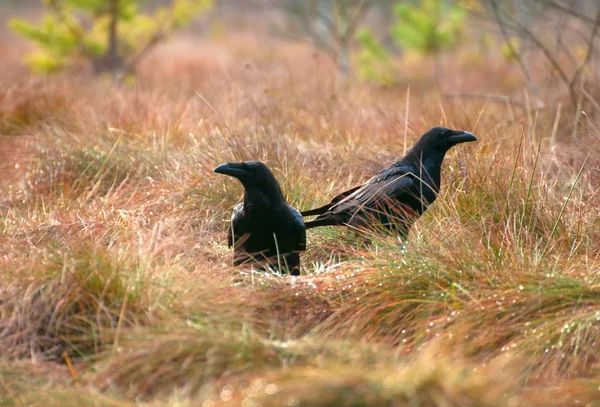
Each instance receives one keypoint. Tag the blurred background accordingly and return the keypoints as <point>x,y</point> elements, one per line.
<point>462,48</point>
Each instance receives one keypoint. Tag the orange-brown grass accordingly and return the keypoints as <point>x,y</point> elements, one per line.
<point>117,284</point>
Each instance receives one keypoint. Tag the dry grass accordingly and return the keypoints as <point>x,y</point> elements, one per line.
<point>117,287</point>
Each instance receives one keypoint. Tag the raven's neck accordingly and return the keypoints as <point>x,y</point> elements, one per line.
<point>259,200</point>
<point>428,163</point>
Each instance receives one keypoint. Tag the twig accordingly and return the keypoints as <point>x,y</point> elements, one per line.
<point>559,43</point>
<point>546,53</point>
<point>336,45</point>
<point>331,26</point>
<point>589,52</point>
<point>308,29</point>
<point>363,8</point>
<point>510,46</point>
<point>591,99</point>
<point>75,31</point>
<point>154,40</point>
<point>562,21</point>
<point>567,10</point>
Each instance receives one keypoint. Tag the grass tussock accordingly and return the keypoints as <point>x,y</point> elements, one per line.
<point>424,380</point>
<point>117,286</point>
<point>76,302</point>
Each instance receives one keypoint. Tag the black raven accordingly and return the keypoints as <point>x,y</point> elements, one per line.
<point>396,196</point>
<point>264,229</point>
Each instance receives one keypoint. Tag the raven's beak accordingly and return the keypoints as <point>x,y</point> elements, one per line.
<point>232,169</point>
<point>462,137</point>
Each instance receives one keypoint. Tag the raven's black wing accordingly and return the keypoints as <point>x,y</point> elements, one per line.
<point>390,186</point>
<point>336,199</point>
<point>391,183</point>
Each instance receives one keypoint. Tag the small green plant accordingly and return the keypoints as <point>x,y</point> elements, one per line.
<point>428,27</point>
<point>374,62</point>
<point>113,36</point>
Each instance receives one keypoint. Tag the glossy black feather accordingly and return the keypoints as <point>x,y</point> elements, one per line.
<point>396,196</point>
<point>265,230</point>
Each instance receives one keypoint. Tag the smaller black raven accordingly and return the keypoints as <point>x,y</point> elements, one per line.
<point>396,196</point>
<point>264,229</point>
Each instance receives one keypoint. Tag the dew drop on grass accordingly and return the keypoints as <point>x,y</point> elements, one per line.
<point>271,388</point>
<point>246,393</point>
<point>227,393</point>
<point>292,402</point>
<point>259,383</point>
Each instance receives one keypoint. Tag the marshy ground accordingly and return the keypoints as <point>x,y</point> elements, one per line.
<point>117,288</point>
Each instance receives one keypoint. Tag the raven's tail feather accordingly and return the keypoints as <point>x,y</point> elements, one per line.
<point>335,200</point>
<point>318,222</point>
<point>316,211</point>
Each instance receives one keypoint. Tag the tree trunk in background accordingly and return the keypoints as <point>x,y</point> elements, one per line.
<point>322,25</point>
<point>385,17</point>
<point>343,59</point>
<point>111,61</point>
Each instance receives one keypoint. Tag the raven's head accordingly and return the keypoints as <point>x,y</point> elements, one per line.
<point>254,175</point>
<point>441,139</point>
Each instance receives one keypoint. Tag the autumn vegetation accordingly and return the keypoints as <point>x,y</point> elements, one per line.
<point>116,282</point>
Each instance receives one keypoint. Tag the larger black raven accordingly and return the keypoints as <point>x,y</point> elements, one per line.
<point>398,194</point>
<point>264,229</point>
